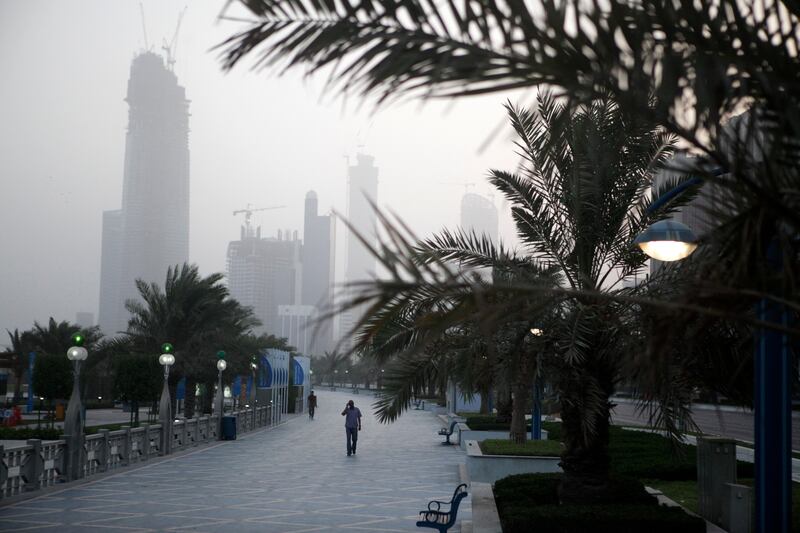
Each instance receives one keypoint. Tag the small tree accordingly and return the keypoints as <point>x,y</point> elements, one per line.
<point>52,378</point>
<point>137,377</point>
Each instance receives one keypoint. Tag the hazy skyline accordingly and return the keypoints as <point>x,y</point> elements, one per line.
<point>254,139</point>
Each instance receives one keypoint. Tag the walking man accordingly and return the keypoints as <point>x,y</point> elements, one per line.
<point>352,425</point>
<point>312,404</point>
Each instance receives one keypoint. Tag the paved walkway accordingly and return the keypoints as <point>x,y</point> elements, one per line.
<point>290,479</point>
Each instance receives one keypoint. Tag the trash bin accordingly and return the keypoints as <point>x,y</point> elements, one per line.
<point>60,412</point>
<point>228,428</point>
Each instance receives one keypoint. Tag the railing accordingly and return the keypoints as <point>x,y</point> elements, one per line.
<point>38,464</point>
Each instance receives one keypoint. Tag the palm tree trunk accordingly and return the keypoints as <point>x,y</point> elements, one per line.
<point>585,460</point>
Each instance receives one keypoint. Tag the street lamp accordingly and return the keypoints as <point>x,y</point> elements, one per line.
<point>166,359</point>
<point>672,241</point>
<point>73,422</point>
<point>252,391</point>
<point>536,410</point>
<point>667,240</point>
<point>221,366</point>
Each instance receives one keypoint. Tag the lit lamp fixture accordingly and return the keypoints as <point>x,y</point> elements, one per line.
<point>166,359</point>
<point>667,240</point>
<point>536,332</point>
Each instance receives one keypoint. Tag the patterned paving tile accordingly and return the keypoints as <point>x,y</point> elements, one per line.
<point>295,478</point>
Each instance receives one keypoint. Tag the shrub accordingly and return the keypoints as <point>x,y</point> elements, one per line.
<point>547,448</point>
<point>529,502</point>
<point>29,433</point>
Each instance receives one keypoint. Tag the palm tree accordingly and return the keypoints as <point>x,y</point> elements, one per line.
<point>330,363</point>
<point>21,346</point>
<point>702,61</point>
<point>198,317</point>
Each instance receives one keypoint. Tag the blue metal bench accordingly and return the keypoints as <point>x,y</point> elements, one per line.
<point>438,518</point>
<point>448,432</point>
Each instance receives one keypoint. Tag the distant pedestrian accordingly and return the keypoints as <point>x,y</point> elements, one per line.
<point>352,425</point>
<point>312,404</point>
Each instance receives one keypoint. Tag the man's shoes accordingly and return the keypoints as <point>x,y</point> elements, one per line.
<point>354,452</point>
<point>348,455</point>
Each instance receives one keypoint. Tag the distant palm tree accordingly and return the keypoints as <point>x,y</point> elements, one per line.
<point>21,346</point>
<point>196,315</point>
<point>330,363</point>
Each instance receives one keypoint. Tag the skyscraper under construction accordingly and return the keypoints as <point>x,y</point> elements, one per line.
<point>151,230</point>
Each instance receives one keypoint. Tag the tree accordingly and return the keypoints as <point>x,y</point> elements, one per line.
<point>52,377</point>
<point>196,315</point>
<point>331,363</point>
<point>137,377</point>
<point>686,66</point>
<point>21,346</point>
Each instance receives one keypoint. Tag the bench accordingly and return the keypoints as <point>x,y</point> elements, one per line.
<point>447,432</point>
<point>438,518</point>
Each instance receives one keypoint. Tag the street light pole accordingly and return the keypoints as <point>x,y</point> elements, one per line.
<point>73,421</point>
<point>221,366</point>
<point>167,359</point>
<point>252,391</point>
<point>772,388</point>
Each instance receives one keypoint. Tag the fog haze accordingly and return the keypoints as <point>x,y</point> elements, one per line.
<point>255,139</point>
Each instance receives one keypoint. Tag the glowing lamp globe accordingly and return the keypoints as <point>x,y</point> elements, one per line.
<point>667,240</point>
<point>537,332</point>
<point>166,359</point>
<point>222,365</point>
<point>167,348</point>
<point>77,353</point>
<point>78,339</point>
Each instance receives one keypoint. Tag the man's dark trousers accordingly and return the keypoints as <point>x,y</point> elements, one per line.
<point>352,439</point>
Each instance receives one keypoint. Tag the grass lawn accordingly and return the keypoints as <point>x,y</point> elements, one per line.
<point>685,493</point>
<point>541,448</point>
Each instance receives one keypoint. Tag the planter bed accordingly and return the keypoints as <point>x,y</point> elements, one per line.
<point>485,468</point>
<point>529,502</point>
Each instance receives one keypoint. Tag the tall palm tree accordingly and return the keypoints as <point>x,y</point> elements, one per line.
<point>195,314</point>
<point>702,61</point>
<point>579,200</point>
<point>21,346</point>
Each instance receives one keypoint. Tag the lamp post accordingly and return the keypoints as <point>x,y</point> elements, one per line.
<point>536,410</point>
<point>335,377</point>
<point>672,241</point>
<point>73,422</point>
<point>166,359</point>
<point>221,366</point>
<point>252,391</point>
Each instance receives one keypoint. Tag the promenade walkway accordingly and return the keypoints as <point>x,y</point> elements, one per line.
<point>293,478</point>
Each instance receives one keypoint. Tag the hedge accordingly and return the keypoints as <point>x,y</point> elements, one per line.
<point>542,448</point>
<point>529,502</point>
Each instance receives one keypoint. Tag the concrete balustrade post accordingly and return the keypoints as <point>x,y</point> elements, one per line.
<point>126,446</point>
<point>3,470</point>
<point>34,466</point>
<point>104,459</point>
<point>145,442</point>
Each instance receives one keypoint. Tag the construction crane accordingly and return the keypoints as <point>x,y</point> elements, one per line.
<point>170,48</point>
<point>249,210</point>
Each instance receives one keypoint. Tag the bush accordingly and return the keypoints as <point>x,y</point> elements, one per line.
<point>546,448</point>
<point>489,423</point>
<point>29,433</point>
<point>645,455</point>
<point>529,502</point>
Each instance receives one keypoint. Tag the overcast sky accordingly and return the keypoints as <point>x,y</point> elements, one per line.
<point>254,138</point>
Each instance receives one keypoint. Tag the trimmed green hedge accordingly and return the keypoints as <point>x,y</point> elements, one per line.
<point>545,448</point>
<point>529,502</point>
<point>24,433</point>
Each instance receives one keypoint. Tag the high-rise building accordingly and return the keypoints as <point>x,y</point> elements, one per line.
<point>264,274</point>
<point>152,227</point>
<point>298,326</point>
<point>479,214</point>
<point>319,245</point>
<point>362,189</point>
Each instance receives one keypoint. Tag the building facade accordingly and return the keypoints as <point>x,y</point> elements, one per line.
<point>152,227</point>
<point>264,274</point>
<point>319,246</point>
<point>362,191</point>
